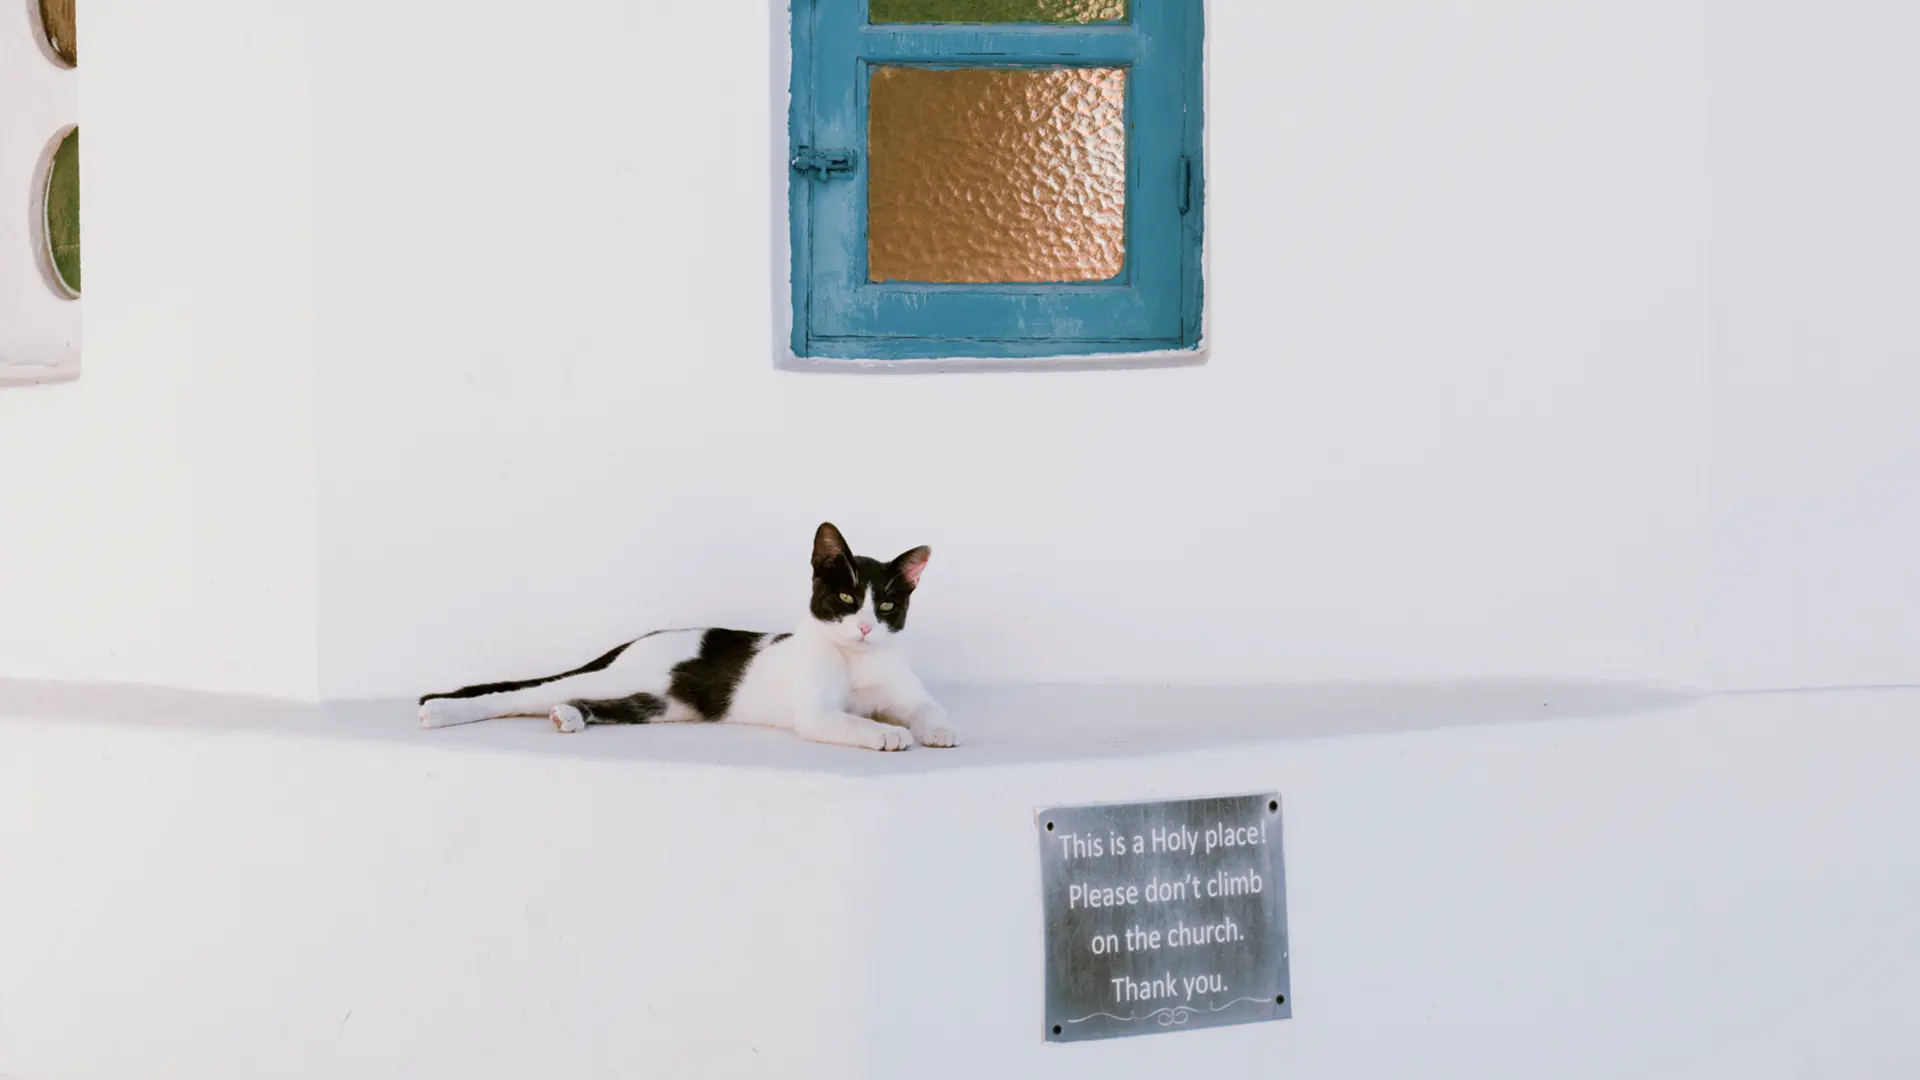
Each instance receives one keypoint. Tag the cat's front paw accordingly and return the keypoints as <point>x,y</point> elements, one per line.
<point>886,738</point>
<point>934,729</point>
<point>939,734</point>
<point>568,720</point>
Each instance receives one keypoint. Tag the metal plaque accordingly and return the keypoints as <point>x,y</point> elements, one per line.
<point>1163,916</point>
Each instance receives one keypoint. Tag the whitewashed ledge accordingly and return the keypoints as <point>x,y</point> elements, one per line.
<point>1003,725</point>
<point>1507,880</point>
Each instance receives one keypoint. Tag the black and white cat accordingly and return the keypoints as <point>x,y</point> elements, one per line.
<point>840,677</point>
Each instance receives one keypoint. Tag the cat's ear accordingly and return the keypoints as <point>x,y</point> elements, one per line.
<point>829,547</point>
<point>910,564</point>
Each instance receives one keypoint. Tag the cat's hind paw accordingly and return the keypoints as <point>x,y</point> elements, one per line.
<point>568,720</point>
<point>443,712</point>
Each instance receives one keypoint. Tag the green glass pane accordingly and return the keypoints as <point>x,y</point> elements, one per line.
<point>998,11</point>
<point>63,211</point>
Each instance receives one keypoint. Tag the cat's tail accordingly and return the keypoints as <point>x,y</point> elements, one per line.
<point>485,701</point>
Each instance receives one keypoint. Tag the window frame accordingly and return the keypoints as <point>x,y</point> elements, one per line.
<point>1153,313</point>
<point>40,320</point>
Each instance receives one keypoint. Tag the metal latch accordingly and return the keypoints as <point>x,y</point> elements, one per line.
<point>824,164</point>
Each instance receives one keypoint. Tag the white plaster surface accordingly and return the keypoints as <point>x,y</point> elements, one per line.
<point>157,517</point>
<point>1547,341</point>
<point>1816,379</point>
<point>1452,426</point>
<point>1629,884</point>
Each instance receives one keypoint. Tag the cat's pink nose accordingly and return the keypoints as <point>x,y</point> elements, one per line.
<point>866,628</point>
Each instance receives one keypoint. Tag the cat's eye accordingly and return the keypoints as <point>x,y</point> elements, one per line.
<point>846,598</point>
<point>888,606</point>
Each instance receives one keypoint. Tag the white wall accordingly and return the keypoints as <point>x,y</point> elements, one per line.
<point>213,907</point>
<point>39,99</point>
<point>1724,889</point>
<point>1452,422</point>
<point>1547,339</point>
<point>1816,159</point>
<point>157,516</point>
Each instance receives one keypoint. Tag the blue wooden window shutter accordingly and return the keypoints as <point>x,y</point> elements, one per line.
<point>1154,303</point>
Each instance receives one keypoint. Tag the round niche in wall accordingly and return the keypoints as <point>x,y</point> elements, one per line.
<point>56,18</point>
<point>62,218</point>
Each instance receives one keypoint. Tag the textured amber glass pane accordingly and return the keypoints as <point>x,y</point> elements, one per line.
<point>996,174</point>
<point>63,211</point>
<point>56,16</point>
<point>997,11</point>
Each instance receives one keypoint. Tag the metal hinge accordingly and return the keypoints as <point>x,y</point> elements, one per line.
<point>824,164</point>
<point>1186,185</point>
